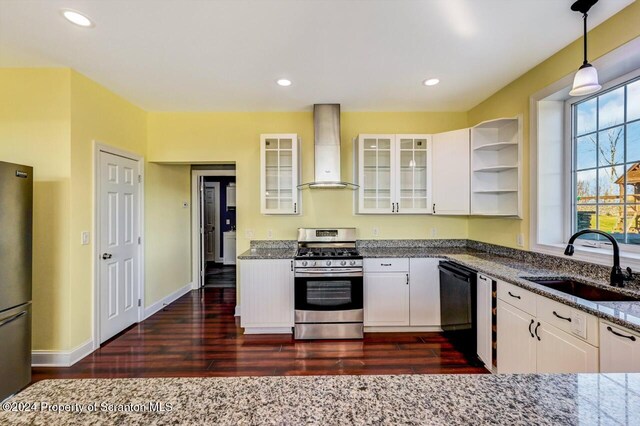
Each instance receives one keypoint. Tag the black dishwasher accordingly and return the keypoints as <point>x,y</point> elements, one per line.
<point>458,307</point>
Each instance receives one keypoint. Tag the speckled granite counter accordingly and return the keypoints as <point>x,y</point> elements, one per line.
<point>498,262</point>
<point>338,400</point>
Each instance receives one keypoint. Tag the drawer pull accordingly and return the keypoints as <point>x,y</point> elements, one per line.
<point>561,317</point>
<point>385,264</point>
<point>632,338</point>
<point>531,332</point>
<point>536,331</point>
<point>513,295</point>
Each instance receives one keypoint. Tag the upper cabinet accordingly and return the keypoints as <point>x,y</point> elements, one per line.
<point>496,161</point>
<point>451,173</point>
<point>279,174</point>
<point>394,174</point>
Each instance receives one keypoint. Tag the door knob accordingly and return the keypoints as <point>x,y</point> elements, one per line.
<point>106,256</point>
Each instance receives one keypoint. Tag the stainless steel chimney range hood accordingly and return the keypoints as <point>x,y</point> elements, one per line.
<point>326,122</point>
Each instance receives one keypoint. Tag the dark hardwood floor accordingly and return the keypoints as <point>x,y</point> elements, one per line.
<point>198,336</point>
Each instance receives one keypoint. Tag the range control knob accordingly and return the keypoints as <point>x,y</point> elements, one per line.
<point>304,263</point>
<point>344,262</point>
<point>328,263</point>
<point>352,262</point>
<point>314,263</point>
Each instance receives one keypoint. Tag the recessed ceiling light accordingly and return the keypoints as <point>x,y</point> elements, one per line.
<point>431,82</point>
<point>77,18</point>
<point>284,82</point>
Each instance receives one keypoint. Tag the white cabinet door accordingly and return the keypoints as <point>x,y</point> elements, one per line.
<point>424,292</point>
<point>619,349</point>
<point>559,352</point>
<point>451,173</point>
<point>516,346</point>
<point>266,289</point>
<point>413,174</point>
<point>376,174</point>
<point>386,299</point>
<point>483,320</point>
<point>279,164</point>
<point>229,250</point>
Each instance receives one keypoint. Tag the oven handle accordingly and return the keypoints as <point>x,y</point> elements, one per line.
<point>315,274</point>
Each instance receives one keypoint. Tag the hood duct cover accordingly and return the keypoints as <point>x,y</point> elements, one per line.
<point>326,122</point>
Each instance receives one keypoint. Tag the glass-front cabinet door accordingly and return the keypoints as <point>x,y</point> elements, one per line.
<point>394,174</point>
<point>376,174</point>
<point>413,174</point>
<point>279,193</point>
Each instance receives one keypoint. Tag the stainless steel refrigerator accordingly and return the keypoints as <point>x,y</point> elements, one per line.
<point>16,212</point>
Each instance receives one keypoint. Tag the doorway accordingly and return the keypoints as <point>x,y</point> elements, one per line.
<point>214,227</point>
<point>118,235</point>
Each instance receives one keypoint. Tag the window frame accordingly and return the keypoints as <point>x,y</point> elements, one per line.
<point>570,159</point>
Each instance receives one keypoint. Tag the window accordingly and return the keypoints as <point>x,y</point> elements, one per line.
<point>606,163</point>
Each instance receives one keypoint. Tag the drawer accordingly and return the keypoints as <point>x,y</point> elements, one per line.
<point>386,265</point>
<point>518,297</point>
<point>568,319</point>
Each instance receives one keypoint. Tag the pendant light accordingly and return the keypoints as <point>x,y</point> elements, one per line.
<point>586,80</point>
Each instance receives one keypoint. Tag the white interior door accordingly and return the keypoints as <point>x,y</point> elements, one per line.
<point>119,255</point>
<point>209,224</point>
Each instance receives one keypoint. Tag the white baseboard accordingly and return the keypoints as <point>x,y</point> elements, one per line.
<point>61,358</point>
<point>152,309</point>
<point>237,312</point>
<point>268,330</point>
<point>401,329</point>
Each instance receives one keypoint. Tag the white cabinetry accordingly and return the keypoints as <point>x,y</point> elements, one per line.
<point>530,341</point>
<point>496,162</point>
<point>266,289</point>
<point>401,292</point>
<point>619,349</point>
<point>229,248</point>
<point>394,174</point>
<point>451,172</point>
<point>484,320</point>
<point>424,292</point>
<point>279,174</point>
<point>231,196</point>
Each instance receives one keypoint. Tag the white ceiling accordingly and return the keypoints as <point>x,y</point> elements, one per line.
<point>198,55</point>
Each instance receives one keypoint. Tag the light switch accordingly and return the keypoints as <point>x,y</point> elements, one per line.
<point>248,233</point>
<point>376,231</point>
<point>84,238</point>
<point>228,221</point>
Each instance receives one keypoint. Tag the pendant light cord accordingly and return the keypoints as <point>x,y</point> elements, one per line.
<point>585,38</point>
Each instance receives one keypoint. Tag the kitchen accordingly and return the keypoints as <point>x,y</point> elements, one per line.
<point>473,181</point>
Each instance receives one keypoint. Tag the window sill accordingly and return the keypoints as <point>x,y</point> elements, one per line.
<point>599,256</point>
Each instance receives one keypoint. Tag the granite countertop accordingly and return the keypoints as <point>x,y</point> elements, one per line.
<point>566,399</point>
<point>510,269</point>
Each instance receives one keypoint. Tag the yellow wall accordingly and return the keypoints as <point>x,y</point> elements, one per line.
<point>513,99</point>
<point>96,115</point>
<point>234,138</point>
<point>35,130</point>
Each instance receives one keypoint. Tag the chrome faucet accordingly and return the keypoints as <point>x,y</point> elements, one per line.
<point>617,276</point>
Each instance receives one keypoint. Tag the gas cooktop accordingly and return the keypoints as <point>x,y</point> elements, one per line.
<point>327,252</point>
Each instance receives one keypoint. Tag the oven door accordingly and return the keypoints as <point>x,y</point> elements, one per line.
<point>328,292</point>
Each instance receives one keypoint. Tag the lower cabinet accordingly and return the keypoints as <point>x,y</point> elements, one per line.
<point>516,346</point>
<point>266,295</point>
<point>619,349</point>
<point>401,292</point>
<point>386,299</point>
<point>529,344</point>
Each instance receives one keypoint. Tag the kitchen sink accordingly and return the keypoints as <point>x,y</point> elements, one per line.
<point>582,290</point>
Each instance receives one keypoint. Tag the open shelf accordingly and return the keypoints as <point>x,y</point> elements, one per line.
<point>495,169</point>
<point>494,191</point>
<point>496,146</point>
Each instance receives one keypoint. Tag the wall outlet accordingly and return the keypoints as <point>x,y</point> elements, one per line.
<point>269,234</point>
<point>434,232</point>
<point>520,239</point>
<point>228,221</point>
<point>84,238</point>
<point>375,231</point>
<point>249,234</point>
<point>185,204</point>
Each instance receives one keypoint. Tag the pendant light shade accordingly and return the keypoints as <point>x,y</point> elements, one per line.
<point>586,81</point>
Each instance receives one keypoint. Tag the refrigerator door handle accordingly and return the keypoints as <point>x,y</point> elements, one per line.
<point>13,318</point>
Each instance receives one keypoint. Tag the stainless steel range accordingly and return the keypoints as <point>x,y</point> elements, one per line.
<point>328,285</point>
